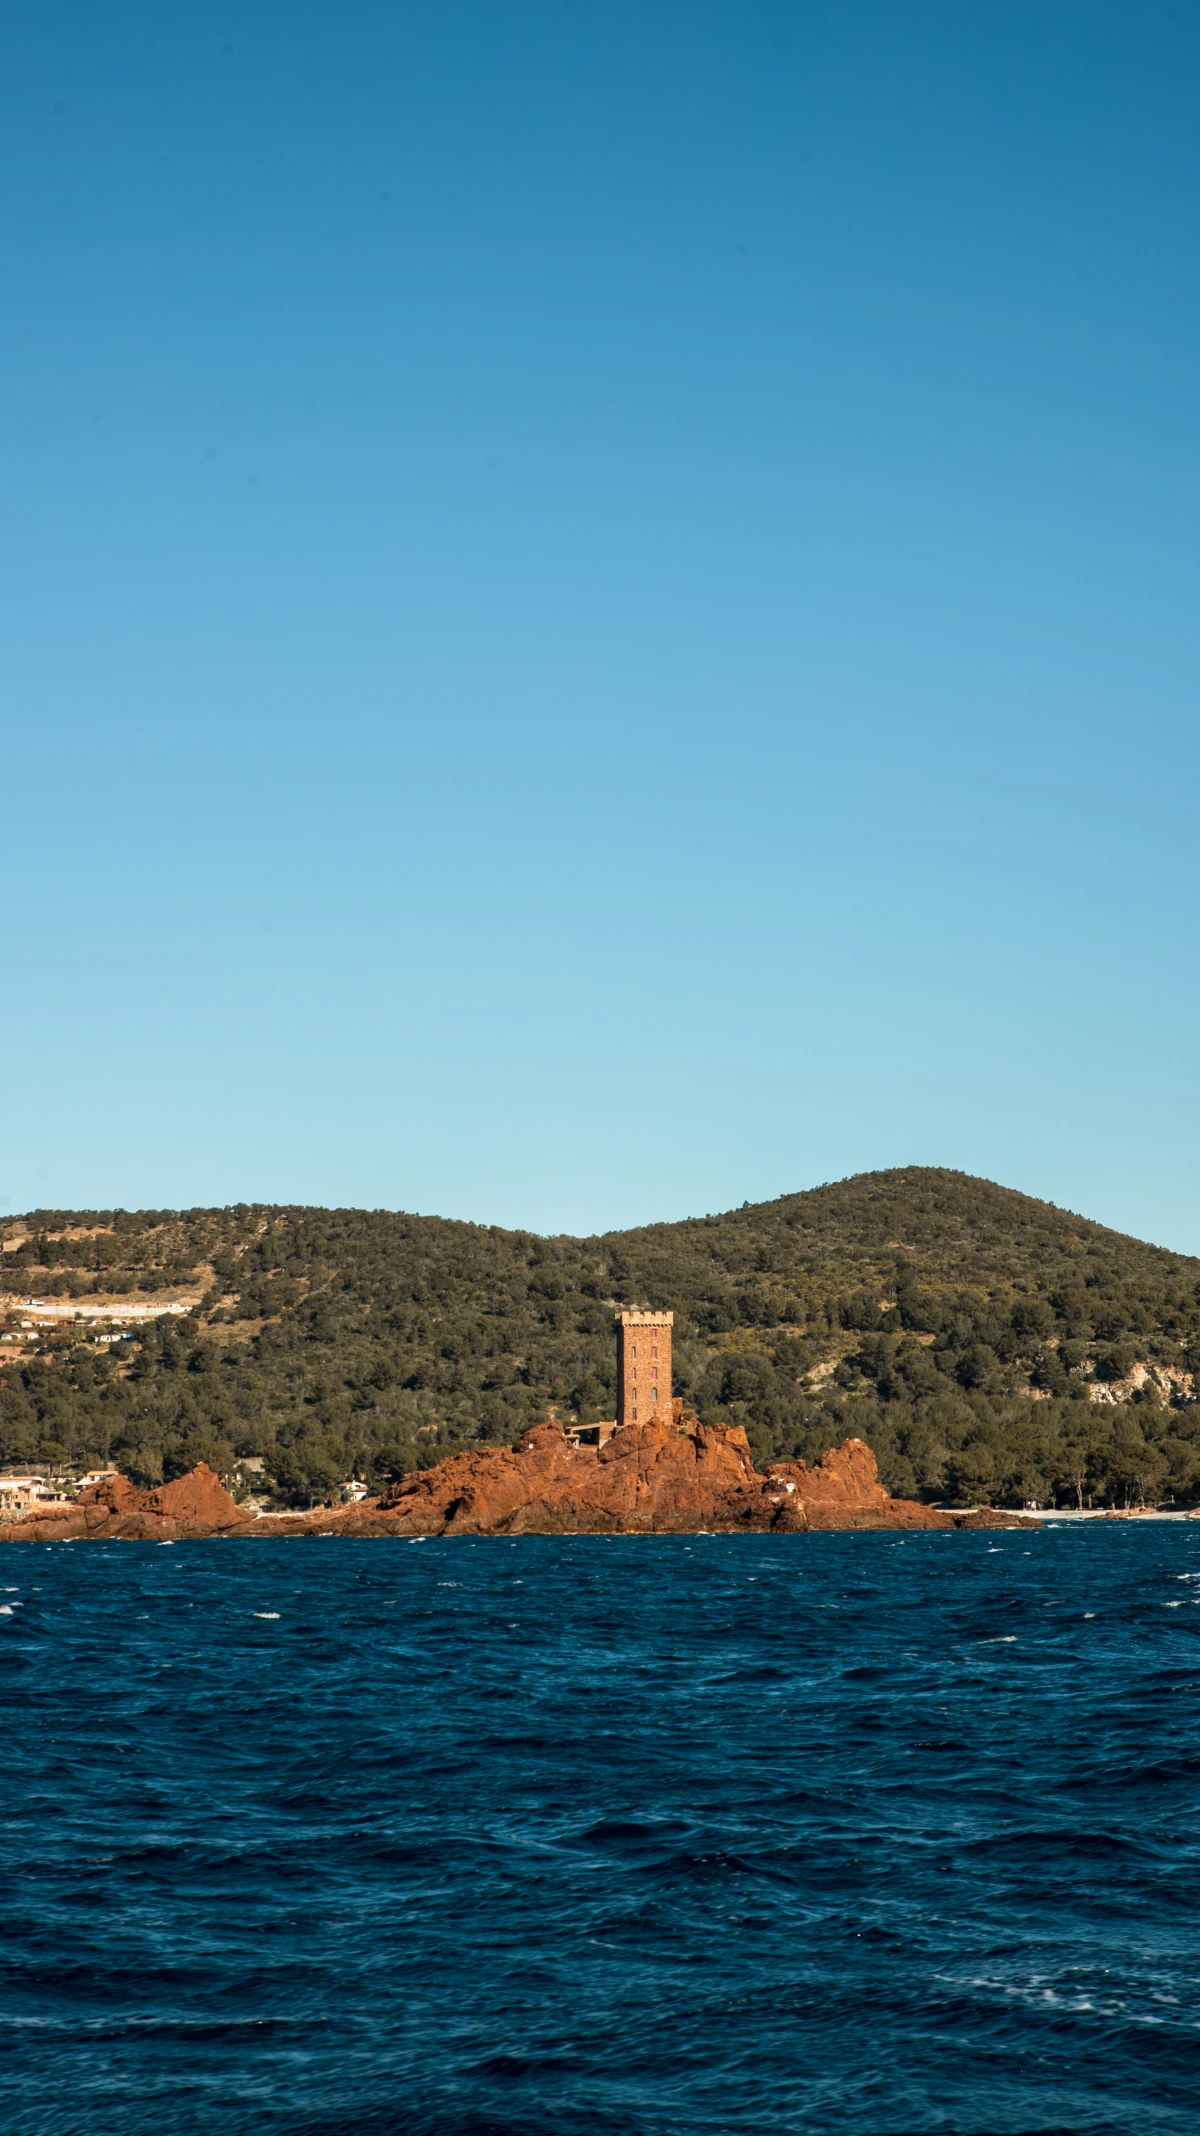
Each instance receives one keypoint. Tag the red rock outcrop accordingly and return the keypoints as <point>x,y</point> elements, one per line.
<point>664,1478</point>
<point>842,1490</point>
<point>200,1496</point>
<point>195,1505</point>
<point>647,1479</point>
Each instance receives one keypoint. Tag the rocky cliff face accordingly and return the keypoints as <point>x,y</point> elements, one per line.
<point>648,1478</point>
<point>652,1479</point>
<point>196,1505</point>
<point>667,1478</point>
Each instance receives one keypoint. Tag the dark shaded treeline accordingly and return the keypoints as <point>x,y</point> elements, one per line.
<point>955,1325</point>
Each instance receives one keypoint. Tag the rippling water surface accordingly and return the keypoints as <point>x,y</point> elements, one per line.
<point>695,1836</point>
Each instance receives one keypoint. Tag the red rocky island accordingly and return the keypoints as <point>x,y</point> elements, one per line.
<point>671,1475</point>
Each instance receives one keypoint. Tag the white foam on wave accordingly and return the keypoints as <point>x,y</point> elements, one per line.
<point>264,1613</point>
<point>5,1610</point>
<point>1004,1639</point>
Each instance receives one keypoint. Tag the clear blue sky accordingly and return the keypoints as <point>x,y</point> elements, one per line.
<point>600,603</point>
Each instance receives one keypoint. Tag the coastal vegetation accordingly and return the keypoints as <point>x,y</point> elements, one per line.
<point>987,1346</point>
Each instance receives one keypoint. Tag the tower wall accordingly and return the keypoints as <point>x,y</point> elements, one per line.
<point>643,1367</point>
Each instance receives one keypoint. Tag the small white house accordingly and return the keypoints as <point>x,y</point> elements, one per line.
<point>24,1494</point>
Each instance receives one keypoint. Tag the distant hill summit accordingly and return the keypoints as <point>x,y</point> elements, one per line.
<point>986,1345</point>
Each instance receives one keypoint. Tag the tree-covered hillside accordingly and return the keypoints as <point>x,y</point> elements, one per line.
<point>964,1330</point>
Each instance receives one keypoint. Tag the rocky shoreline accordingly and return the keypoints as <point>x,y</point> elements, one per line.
<point>670,1478</point>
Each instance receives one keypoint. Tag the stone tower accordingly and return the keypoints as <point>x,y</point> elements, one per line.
<point>643,1367</point>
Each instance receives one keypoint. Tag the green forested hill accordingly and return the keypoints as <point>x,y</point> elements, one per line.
<point>959,1327</point>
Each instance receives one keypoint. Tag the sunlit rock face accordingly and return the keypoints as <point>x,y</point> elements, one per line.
<point>668,1477</point>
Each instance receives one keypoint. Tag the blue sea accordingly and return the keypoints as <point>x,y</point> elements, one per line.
<point>590,1836</point>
